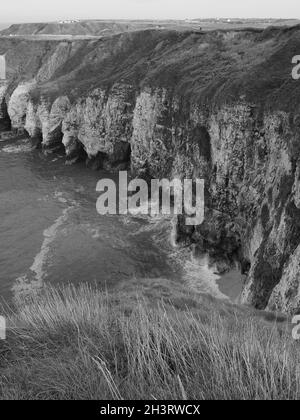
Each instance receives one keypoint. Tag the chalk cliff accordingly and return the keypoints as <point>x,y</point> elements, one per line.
<point>221,105</point>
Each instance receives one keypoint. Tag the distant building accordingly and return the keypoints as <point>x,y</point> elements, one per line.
<point>2,67</point>
<point>68,21</point>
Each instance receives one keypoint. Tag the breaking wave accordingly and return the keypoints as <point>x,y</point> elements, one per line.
<point>196,272</point>
<point>21,147</point>
<point>34,280</point>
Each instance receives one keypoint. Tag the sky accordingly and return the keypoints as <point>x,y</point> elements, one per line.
<point>15,11</point>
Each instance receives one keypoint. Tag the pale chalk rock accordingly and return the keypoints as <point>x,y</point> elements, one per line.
<point>18,103</point>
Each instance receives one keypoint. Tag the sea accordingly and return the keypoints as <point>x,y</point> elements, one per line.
<point>52,234</point>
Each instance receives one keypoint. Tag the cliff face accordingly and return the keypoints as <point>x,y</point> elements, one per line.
<point>252,173</point>
<point>221,106</point>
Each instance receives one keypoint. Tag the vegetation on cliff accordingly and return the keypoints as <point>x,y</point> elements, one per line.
<point>214,67</point>
<point>211,68</point>
<point>86,344</point>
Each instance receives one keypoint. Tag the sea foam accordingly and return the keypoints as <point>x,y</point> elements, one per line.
<point>37,272</point>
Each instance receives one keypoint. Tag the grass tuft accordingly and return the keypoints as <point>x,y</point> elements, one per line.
<point>85,344</point>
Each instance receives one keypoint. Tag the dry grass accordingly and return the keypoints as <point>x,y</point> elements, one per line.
<point>86,344</point>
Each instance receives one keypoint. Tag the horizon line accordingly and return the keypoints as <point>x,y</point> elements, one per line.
<point>146,19</point>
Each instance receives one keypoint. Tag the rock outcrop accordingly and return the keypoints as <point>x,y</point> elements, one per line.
<point>187,105</point>
<point>4,118</point>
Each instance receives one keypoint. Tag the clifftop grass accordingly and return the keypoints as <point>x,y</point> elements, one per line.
<point>209,68</point>
<point>86,344</point>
